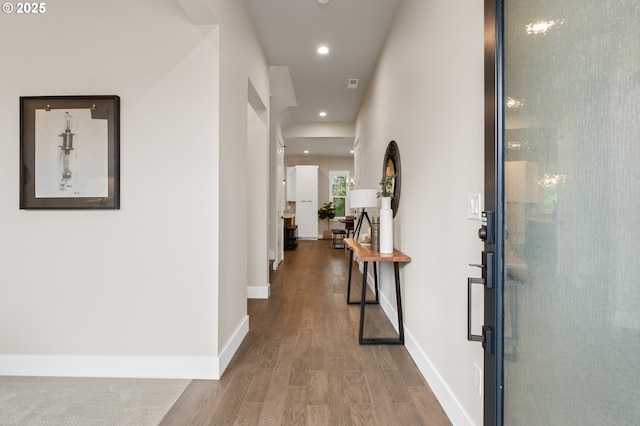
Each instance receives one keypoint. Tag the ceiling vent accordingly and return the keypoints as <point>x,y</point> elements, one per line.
<point>353,83</point>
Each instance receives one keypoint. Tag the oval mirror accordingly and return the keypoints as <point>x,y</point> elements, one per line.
<point>391,166</point>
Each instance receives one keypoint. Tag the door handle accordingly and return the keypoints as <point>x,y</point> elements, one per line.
<point>470,281</point>
<point>487,269</point>
<point>487,281</point>
<point>486,338</point>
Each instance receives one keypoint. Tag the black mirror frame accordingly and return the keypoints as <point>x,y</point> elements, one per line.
<point>393,154</point>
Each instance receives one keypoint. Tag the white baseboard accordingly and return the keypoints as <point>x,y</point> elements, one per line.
<point>152,367</point>
<point>232,345</point>
<point>447,399</point>
<point>276,263</point>
<point>258,291</point>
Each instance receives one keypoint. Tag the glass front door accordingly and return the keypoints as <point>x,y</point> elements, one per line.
<point>568,121</point>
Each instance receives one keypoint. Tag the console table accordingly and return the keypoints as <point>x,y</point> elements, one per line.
<point>366,255</point>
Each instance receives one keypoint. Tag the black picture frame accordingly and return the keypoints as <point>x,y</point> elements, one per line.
<point>70,152</point>
<point>390,167</point>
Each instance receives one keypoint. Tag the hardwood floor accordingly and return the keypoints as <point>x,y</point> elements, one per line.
<point>301,363</point>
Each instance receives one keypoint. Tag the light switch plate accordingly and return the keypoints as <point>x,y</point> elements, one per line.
<point>474,207</point>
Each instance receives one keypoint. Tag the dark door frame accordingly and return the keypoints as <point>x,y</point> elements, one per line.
<point>493,256</point>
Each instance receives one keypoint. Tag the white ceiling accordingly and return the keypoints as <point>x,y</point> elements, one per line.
<point>290,32</point>
<point>319,147</point>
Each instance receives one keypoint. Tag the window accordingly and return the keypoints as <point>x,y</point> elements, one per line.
<point>338,191</point>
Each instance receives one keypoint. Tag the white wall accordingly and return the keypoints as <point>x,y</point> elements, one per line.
<point>135,291</point>
<point>257,204</point>
<point>319,130</point>
<point>427,95</point>
<point>241,61</point>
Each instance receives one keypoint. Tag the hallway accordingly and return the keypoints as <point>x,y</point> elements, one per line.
<point>301,362</point>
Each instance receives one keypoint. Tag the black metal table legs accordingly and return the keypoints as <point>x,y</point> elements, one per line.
<point>363,303</point>
<point>375,281</point>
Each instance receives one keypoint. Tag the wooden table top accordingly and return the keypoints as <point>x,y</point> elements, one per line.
<point>365,254</point>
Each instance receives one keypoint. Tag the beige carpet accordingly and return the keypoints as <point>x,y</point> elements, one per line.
<point>86,401</point>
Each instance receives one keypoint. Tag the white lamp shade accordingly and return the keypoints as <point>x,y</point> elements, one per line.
<point>363,198</point>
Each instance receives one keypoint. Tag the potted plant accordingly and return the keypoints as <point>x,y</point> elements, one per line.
<point>386,186</point>
<point>327,211</point>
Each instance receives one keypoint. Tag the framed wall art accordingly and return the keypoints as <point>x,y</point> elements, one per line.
<point>70,152</point>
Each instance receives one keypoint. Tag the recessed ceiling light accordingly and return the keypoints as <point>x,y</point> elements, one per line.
<point>323,50</point>
<point>323,1</point>
<point>351,152</point>
<point>306,151</point>
<point>322,114</point>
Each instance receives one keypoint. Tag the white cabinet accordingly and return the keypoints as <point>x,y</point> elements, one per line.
<point>307,201</point>
<point>291,183</point>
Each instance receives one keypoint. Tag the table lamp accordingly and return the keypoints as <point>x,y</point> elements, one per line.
<point>362,199</point>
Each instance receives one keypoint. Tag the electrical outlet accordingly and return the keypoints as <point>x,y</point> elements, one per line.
<point>477,378</point>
